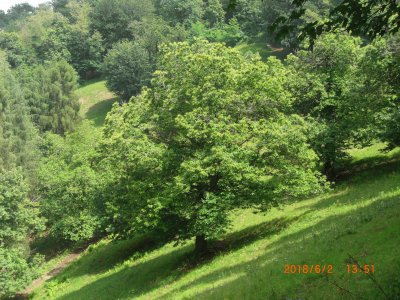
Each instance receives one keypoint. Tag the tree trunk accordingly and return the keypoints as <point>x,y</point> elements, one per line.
<point>329,170</point>
<point>201,244</point>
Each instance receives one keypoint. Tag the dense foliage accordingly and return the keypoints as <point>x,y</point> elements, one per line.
<point>127,69</point>
<point>113,18</point>
<point>203,126</point>
<point>327,88</point>
<point>210,145</point>
<point>367,18</point>
<point>18,215</point>
<point>69,187</point>
<point>50,91</point>
<point>17,133</point>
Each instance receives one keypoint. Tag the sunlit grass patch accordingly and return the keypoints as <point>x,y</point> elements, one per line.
<point>96,101</point>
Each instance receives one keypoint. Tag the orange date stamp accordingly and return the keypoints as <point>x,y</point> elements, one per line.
<point>308,269</point>
<point>327,269</point>
<point>355,268</point>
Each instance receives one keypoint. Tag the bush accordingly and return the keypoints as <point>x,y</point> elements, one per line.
<point>230,34</point>
<point>127,69</point>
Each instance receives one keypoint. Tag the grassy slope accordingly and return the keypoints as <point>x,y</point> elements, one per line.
<point>96,101</point>
<point>359,218</point>
<point>259,47</point>
<point>259,44</point>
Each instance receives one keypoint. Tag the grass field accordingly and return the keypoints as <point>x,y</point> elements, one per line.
<point>261,46</point>
<point>358,220</point>
<point>96,101</point>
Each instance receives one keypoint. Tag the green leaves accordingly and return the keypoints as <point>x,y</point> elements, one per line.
<point>18,139</point>
<point>372,18</point>
<point>18,219</point>
<point>112,18</point>
<point>50,92</point>
<point>210,135</point>
<point>69,187</point>
<point>330,89</point>
<point>127,69</point>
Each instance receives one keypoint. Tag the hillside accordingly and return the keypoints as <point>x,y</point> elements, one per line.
<point>359,220</point>
<point>171,149</point>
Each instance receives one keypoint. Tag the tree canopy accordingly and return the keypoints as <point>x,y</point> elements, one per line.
<point>366,18</point>
<point>127,69</point>
<point>201,142</point>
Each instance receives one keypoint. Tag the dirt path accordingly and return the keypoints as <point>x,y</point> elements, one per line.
<point>274,49</point>
<point>61,266</point>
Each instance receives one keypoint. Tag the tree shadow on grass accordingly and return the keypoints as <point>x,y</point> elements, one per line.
<point>252,279</point>
<point>144,277</point>
<point>250,234</point>
<point>161,270</point>
<point>98,112</point>
<point>104,257</point>
<point>365,185</point>
<point>370,166</point>
<point>49,246</point>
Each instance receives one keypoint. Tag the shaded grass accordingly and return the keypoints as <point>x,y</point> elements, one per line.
<point>98,112</point>
<point>255,47</point>
<point>374,159</point>
<point>262,46</point>
<point>359,218</point>
<point>96,101</point>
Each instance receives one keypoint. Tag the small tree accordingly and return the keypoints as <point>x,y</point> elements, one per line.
<point>127,69</point>
<point>50,92</point>
<point>330,89</point>
<point>208,137</point>
<point>68,185</point>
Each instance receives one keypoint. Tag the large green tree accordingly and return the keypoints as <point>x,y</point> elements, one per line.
<point>180,11</point>
<point>248,13</point>
<point>152,32</point>
<point>86,46</point>
<point>381,67</point>
<point>17,134</point>
<point>47,32</point>
<point>214,13</point>
<point>18,155</point>
<point>209,136</point>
